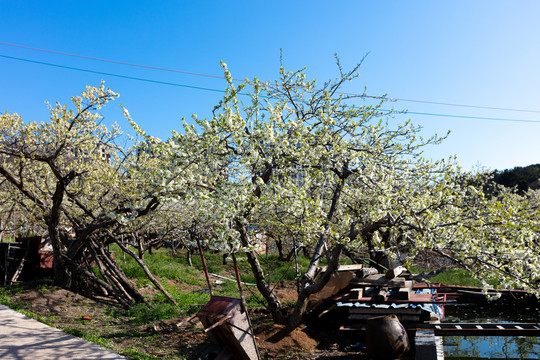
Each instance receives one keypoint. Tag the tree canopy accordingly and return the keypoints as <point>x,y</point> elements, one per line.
<point>72,175</point>
<point>290,161</point>
<point>292,158</point>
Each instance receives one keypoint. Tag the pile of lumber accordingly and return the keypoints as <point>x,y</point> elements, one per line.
<point>396,283</point>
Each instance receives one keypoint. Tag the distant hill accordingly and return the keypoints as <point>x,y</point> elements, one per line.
<point>524,178</point>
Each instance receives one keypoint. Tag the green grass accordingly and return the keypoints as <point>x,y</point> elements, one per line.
<point>143,314</point>
<point>164,266</point>
<point>6,296</point>
<point>274,269</point>
<point>453,277</point>
<point>456,277</point>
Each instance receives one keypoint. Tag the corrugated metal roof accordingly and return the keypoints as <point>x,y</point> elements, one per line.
<point>427,307</point>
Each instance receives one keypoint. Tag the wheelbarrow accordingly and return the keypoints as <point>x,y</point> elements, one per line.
<point>226,321</point>
<point>228,325</point>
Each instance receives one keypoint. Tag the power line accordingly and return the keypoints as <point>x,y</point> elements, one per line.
<point>223,91</point>
<point>473,117</point>
<point>115,75</point>
<point>444,103</point>
<point>114,61</point>
<point>221,77</point>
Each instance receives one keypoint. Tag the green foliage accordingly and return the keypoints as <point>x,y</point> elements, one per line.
<point>5,300</point>
<point>523,178</point>
<point>6,296</point>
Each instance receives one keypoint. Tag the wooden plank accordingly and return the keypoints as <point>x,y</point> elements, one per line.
<point>381,280</point>
<point>424,298</point>
<point>484,329</point>
<point>337,282</point>
<point>465,329</point>
<point>348,267</point>
<point>375,279</point>
<point>395,272</point>
<point>367,271</point>
<point>357,293</point>
<point>380,296</point>
<point>404,293</point>
<point>17,273</point>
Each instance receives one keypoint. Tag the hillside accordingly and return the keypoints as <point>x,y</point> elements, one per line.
<point>524,178</point>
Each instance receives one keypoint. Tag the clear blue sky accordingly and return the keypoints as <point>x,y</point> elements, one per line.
<point>482,53</point>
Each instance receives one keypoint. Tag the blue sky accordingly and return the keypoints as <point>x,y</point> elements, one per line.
<point>481,53</point>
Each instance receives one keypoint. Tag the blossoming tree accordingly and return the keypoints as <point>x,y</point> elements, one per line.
<point>295,157</point>
<point>71,175</point>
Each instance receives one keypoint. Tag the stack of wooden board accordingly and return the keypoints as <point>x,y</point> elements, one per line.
<point>373,294</point>
<point>377,287</point>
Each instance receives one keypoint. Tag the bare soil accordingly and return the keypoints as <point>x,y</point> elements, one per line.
<point>176,338</point>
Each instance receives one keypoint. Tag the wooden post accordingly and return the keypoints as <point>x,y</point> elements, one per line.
<point>205,268</point>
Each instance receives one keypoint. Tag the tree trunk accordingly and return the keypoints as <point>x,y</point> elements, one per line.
<point>63,276</point>
<point>140,249</point>
<point>224,259</point>
<point>151,277</point>
<point>116,273</point>
<point>274,305</point>
<point>125,302</point>
<point>308,286</point>
<point>279,246</point>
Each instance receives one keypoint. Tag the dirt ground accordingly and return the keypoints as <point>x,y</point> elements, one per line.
<point>176,338</point>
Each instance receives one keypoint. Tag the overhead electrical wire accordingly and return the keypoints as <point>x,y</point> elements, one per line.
<point>115,62</point>
<point>221,77</point>
<point>222,91</point>
<point>111,74</point>
<point>445,103</point>
<point>472,117</point>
